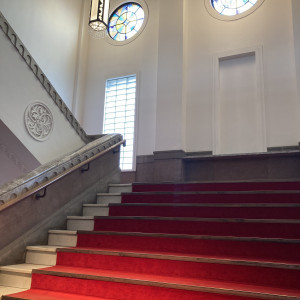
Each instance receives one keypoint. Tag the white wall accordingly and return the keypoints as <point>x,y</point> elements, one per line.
<point>173,58</point>
<point>106,61</point>
<point>49,30</point>
<point>19,87</point>
<point>296,23</point>
<point>169,112</point>
<point>270,26</point>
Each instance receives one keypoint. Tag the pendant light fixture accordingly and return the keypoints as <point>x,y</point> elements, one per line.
<point>99,15</point>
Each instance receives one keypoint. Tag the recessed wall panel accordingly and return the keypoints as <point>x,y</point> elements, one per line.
<point>239,126</point>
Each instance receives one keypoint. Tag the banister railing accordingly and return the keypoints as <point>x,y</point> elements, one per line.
<point>45,175</point>
<point>32,64</point>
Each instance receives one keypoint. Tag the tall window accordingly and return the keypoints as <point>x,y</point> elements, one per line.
<point>119,115</point>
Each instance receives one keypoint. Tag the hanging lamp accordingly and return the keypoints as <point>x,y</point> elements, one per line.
<point>99,15</point>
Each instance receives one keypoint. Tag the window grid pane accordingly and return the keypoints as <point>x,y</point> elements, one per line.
<point>119,114</point>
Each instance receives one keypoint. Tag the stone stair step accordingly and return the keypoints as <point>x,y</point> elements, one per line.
<point>212,197</point>
<point>36,294</point>
<point>119,188</point>
<point>6,290</point>
<point>208,210</point>
<point>264,228</point>
<point>243,185</point>
<point>127,282</point>
<point>95,210</point>
<point>183,257</point>
<point>107,198</point>
<point>18,276</point>
<point>65,238</point>
<point>80,223</point>
<point>41,255</point>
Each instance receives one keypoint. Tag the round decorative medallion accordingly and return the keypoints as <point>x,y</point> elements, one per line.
<point>38,121</point>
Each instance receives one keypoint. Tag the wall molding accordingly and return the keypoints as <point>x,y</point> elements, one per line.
<point>40,75</point>
<point>257,51</point>
<point>283,149</point>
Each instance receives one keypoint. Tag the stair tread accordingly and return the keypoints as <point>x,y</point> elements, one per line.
<point>188,236</point>
<point>44,248</point>
<point>166,281</point>
<point>109,194</point>
<point>193,219</point>
<point>251,192</point>
<point>293,180</point>
<point>61,231</point>
<point>22,268</point>
<point>36,294</point>
<point>199,204</point>
<point>96,205</point>
<point>5,290</point>
<point>111,253</point>
<point>80,217</point>
<point>186,257</point>
<point>120,184</point>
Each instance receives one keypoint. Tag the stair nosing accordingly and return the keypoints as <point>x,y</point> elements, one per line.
<point>109,194</point>
<point>82,218</point>
<point>18,268</point>
<point>62,232</point>
<point>96,205</point>
<point>50,248</point>
<point>120,184</point>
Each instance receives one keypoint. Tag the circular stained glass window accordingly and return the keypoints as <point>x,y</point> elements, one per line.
<point>126,21</point>
<point>232,7</point>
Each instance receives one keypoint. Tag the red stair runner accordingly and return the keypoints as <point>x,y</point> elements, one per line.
<point>238,240</point>
<point>218,186</point>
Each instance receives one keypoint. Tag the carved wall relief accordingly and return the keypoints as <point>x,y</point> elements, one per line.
<point>38,121</point>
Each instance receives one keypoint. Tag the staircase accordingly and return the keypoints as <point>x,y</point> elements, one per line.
<point>238,240</point>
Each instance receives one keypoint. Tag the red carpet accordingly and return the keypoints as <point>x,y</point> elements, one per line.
<point>213,197</point>
<point>195,226</point>
<point>185,246</point>
<point>218,186</point>
<point>251,211</point>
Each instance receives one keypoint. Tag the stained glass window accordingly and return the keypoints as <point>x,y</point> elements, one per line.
<point>232,7</point>
<point>126,21</point>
